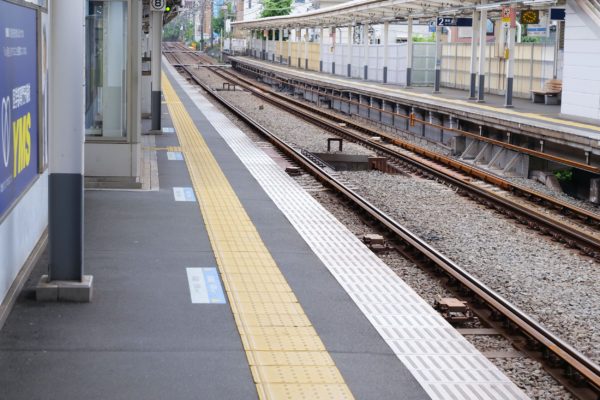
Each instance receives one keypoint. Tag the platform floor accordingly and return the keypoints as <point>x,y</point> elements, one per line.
<point>524,111</point>
<point>152,331</point>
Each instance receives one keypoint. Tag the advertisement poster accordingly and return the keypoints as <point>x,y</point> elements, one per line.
<point>19,123</point>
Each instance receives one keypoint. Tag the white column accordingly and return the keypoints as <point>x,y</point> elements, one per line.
<point>350,43</point>
<point>66,140</point>
<point>157,19</point>
<point>510,68</point>
<point>473,68</point>
<point>482,55</point>
<point>289,46</point>
<point>409,53</point>
<point>280,45</point>
<point>366,51</point>
<point>305,48</point>
<point>386,29</point>
<point>134,78</point>
<point>438,59</point>
<point>556,50</point>
<point>321,42</point>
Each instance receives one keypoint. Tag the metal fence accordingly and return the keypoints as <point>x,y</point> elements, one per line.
<point>534,63</point>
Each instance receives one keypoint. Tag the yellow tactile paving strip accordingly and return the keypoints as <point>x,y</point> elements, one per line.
<point>286,356</point>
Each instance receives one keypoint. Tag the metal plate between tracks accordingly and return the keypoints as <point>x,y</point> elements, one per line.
<point>443,361</point>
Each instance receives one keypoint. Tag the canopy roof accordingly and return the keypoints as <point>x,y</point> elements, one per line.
<point>379,11</point>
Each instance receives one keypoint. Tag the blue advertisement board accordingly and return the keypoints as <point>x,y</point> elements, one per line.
<point>18,101</point>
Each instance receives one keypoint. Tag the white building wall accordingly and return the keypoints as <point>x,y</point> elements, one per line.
<point>581,71</point>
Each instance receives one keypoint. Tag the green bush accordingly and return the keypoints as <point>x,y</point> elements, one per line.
<point>420,39</point>
<point>564,175</point>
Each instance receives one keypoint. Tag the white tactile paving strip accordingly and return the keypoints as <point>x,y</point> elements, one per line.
<point>445,364</point>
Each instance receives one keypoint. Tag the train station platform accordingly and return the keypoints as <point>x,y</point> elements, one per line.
<point>525,117</point>
<point>230,282</point>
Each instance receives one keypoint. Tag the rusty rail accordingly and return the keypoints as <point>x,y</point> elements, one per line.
<point>575,363</point>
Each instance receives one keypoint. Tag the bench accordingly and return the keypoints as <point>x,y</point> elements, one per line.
<point>550,94</point>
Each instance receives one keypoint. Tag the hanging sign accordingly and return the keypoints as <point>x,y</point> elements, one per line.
<point>509,16</point>
<point>158,5</point>
<point>530,17</point>
<point>557,14</point>
<point>18,101</point>
<point>464,22</point>
<point>445,21</point>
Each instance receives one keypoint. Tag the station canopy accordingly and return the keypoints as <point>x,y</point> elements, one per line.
<point>380,11</point>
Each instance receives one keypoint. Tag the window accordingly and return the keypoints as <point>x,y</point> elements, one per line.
<point>106,66</point>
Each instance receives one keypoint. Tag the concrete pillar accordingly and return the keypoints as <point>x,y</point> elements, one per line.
<point>333,35</point>
<point>157,20</point>
<point>298,47</point>
<point>409,53</point>
<point>438,59</point>
<point>473,67</point>
<point>556,50</point>
<point>66,133</point>
<point>482,55</point>
<point>289,46</point>
<point>386,28</point>
<point>350,43</point>
<point>510,68</point>
<point>321,42</point>
<point>305,48</point>
<point>280,45</point>
<point>134,79</point>
<point>366,50</point>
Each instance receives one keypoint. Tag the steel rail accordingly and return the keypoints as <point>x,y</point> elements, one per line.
<point>584,242</point>
<point>568,209</point>
<point>536,153</point>
<point>572,358</point>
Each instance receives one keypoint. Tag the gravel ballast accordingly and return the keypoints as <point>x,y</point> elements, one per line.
<point>555,285</point>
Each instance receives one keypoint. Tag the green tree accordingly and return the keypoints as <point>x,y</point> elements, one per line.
<point>180,28</point>
<point>273,8</point>
<point>218,23</point>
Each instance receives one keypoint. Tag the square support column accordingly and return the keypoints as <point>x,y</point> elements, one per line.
<point>350,43</point>
<point>386,28</point>
<point>321,42</point>
<point>409,53</point>
<point>157,23</point>
<point>482,55</point>
<point>510,68</point>
<point>366,49</point>
<point>280,45</point>
<point>438,59</point>
<point>66,280</point>
<point>473,67</point>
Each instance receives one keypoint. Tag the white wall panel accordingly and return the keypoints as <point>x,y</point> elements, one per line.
<point>21,230</point>
<point>581,72</point>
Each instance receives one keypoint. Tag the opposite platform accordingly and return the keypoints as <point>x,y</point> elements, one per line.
<point>525,113</point>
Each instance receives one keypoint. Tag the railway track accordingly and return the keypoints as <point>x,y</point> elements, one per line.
<point>533,213</point>
<point>575,371</point>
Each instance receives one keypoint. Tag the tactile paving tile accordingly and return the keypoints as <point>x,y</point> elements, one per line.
<point>445,363</point>
<point>304,391</point>
<point>267,314</point>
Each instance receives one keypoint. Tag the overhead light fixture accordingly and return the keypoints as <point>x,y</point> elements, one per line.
<point>484,7</point>
<point>539,2</point>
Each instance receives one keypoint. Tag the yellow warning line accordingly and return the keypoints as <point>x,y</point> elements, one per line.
<point>286,356</point>
<point>168,148</point>
<point>413,94</point>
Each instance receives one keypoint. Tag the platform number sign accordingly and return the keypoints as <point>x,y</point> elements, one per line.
<point>445,21</point>
<point>158,5</point>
